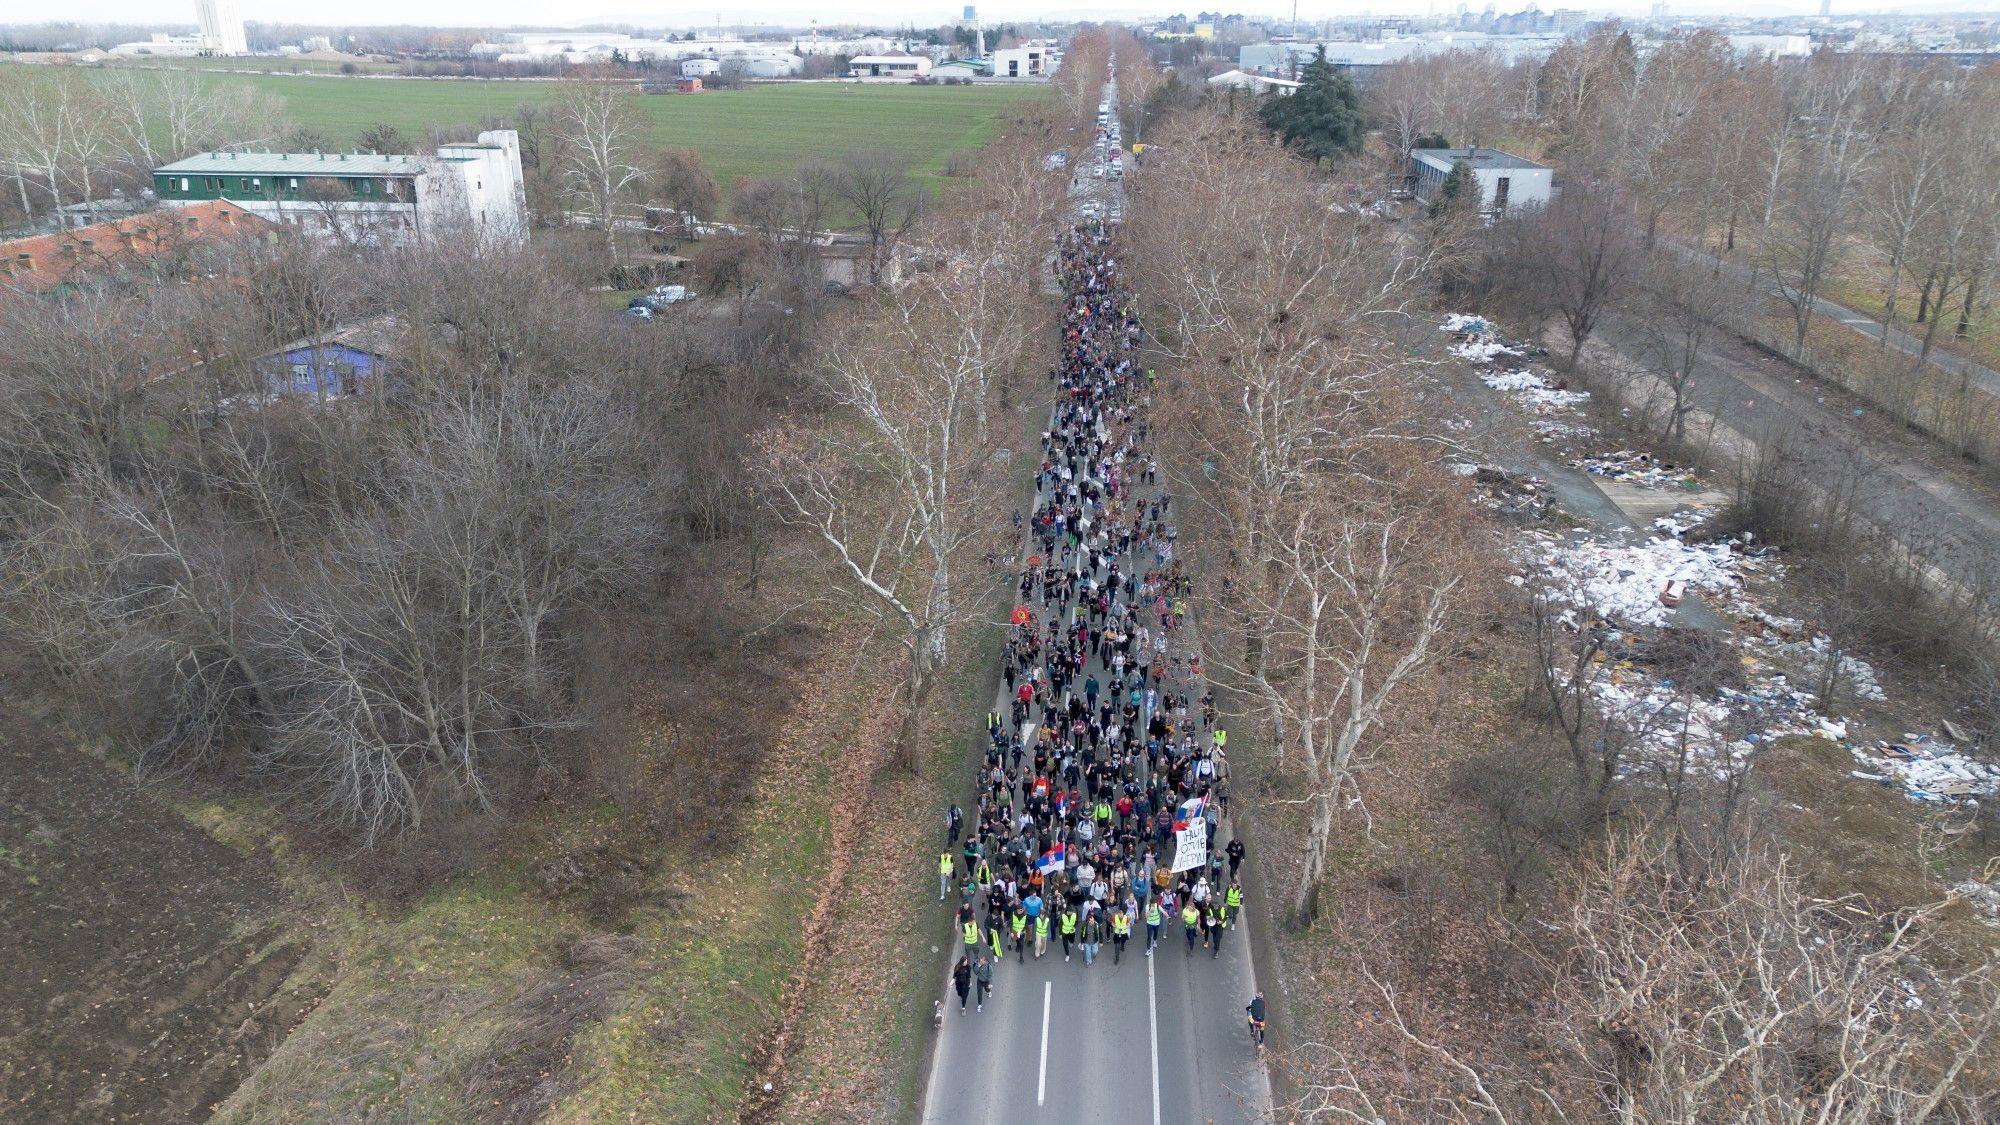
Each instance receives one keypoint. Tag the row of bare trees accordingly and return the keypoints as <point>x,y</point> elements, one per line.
<point>1837,168</point>
<point>898,463</point>
<point>1738,994</point>
<point>68,135</point>
<point>1300,460</point>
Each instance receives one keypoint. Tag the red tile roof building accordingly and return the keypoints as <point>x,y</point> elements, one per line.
<point>169,242</point>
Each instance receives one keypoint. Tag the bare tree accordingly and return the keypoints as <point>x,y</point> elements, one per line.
<point>1737,991</point>
<point>1813,201</point>
<point>680,179</point>
<point>1583,244</point>
<point>599,133</point>
<point>875,185</point>
<point>1686,313</point>
<point>1363,597</point>
<point>163,115</point>
<point>1736,994</point>
<point>901,481</point>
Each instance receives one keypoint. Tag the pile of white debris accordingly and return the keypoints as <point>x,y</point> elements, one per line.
<point>1535,391</point>
<point>1476,339</point>
<point>1928,769</point>
<point>1630,584</point>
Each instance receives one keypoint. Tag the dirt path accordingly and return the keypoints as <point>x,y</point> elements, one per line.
<point>146,963</point>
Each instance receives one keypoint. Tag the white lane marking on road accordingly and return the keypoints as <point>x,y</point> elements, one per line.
<point>1153,1028</point>
<point>1042,1079</point>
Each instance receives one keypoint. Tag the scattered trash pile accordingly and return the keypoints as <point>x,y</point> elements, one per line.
<point>1642,469</point>
<point>1546,397</point>
<point>1631,584</point>
<point>1516,495</point>
<point>1984,897</point>
<point>1536,392</point>
<point>1856,674</point>
<point>1475,340</point>
<point>1476,350</point>
<point>1928,768</point>
<point>1660,719</point>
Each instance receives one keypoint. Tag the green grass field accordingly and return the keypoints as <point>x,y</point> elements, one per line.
<point>758,131</point>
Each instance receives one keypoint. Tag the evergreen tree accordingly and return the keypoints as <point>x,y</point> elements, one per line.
<point>1322,116</point>
<point>1460,191</point>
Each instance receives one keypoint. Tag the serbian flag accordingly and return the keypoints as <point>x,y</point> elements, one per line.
<point>1188,811</point>
<point>1052,860</point>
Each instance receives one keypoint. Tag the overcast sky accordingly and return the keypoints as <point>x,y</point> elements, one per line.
<point>921,13</point>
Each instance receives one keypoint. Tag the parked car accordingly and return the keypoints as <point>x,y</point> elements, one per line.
<point>639,312</point>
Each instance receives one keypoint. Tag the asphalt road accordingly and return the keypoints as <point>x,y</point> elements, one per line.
<point>1157,1039</point>
<point>1979,375</point>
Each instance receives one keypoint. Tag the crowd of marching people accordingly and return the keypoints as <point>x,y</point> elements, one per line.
<point>1105,775</point>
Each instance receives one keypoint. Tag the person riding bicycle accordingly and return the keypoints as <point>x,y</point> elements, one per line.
<point>1256,1009</point>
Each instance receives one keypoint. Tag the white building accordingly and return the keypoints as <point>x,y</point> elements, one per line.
<point>1774,46</point>
<point>774,65</point>
<point>1253,83</point>
<point>1032,60</point>
<point>221,27</point>
<point>905,67</point>
<point>164,46</point>
<point>467,192</point>
<point>700,68</point>
<point>1507,183</point>
<point>1362,59</point>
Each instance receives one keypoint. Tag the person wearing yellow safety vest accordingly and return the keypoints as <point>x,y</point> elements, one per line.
<point>1121,932</point>
<point>1068,929</point>
<point>1018,922</point>
<point>1232,902</point>
<point>1191,922</point>
<point>944,875</point>
<point>970,930</point>
<point>1041,934</point>
<point>1152,925</point>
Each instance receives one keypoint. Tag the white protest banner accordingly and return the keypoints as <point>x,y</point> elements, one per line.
<point>1191,846</point>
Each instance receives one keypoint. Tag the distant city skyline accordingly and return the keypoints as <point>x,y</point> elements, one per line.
<point>920,13</point>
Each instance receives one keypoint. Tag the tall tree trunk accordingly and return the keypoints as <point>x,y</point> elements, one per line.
<point>1889,300</point>
<point>1937,317</point>
<point>1305,900</point>
<point>916,694</point>
<point>1964,329</point>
